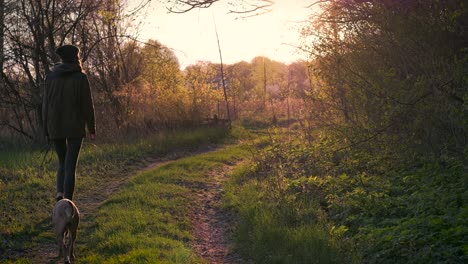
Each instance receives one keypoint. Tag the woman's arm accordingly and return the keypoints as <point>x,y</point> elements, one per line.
<point>88,107</point>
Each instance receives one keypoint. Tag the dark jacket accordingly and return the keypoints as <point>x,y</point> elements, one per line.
<point>67,103</point>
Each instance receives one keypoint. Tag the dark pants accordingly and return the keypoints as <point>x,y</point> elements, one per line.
<point>68,151</point>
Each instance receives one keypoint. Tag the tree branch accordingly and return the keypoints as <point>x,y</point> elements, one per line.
<point>317,2</point>
<point>191,4</point>
<point>253,6</point>
<point>21,131</point>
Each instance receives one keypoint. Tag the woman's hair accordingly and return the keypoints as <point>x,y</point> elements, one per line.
<point>69,54</point>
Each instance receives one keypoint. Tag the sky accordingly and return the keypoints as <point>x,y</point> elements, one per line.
<point>192,35</point>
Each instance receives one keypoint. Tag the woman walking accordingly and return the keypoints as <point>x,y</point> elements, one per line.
<point>66,110</point>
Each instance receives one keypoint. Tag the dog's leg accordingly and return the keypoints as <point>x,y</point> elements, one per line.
<point>67,247</point>
<point>60,245</point>
<point>75,221</point>
<point>72,242</point>
<point>59,233</point>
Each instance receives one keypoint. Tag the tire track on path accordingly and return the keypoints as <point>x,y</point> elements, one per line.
<point>211,224</point>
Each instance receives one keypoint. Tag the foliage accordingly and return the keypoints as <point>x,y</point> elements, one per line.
<point>384,158</point>
<point>276,223</point>
<point>394,70</point>
<point>367,208</point>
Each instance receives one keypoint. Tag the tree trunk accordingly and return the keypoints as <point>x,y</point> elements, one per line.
<point>2,29</point>
<point>264,85</point>
<point>222,77</point>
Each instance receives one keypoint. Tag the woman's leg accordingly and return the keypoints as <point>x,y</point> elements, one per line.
<point>73,151</point>
<point>61,149</point>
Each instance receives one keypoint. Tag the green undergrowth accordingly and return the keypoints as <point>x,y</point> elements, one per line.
<point>273,225</point>
<point>307,204</point>
<point>27,190</point>
<point>148,220</point>
<point>277,229</point>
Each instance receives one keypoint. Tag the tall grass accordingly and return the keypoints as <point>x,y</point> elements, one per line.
<point>270,231</point>
<point>27,191</point>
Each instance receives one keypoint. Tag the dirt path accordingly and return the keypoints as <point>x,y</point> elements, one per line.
<point>89,201</point>
<point>212,226</point>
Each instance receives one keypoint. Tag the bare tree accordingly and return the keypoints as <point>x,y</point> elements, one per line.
<point>226,101</point>
<point>30,33</point>
<point>31,30</point>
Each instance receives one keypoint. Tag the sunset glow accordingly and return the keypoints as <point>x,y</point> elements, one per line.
<point>192,35</point>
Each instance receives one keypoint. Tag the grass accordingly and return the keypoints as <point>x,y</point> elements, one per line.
<point>157,204</point>
<point>268,230</point>
<point>26,192</point>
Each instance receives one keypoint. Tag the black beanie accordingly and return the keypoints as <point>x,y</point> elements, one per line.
<point>68,53</point>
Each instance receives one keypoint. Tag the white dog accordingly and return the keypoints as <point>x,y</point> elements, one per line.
<point>66,218</point>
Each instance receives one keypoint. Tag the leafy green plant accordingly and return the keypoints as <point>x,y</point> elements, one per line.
<point>371,206</point>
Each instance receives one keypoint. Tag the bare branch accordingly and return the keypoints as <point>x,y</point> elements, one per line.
<point>317,2</point>
<point>19,130</point>
<point>253,7</point>
<point>191,4</point>
<point>137,9</point>
<point>264,8</point>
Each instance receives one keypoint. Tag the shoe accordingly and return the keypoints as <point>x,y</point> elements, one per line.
<point>59,196</point>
